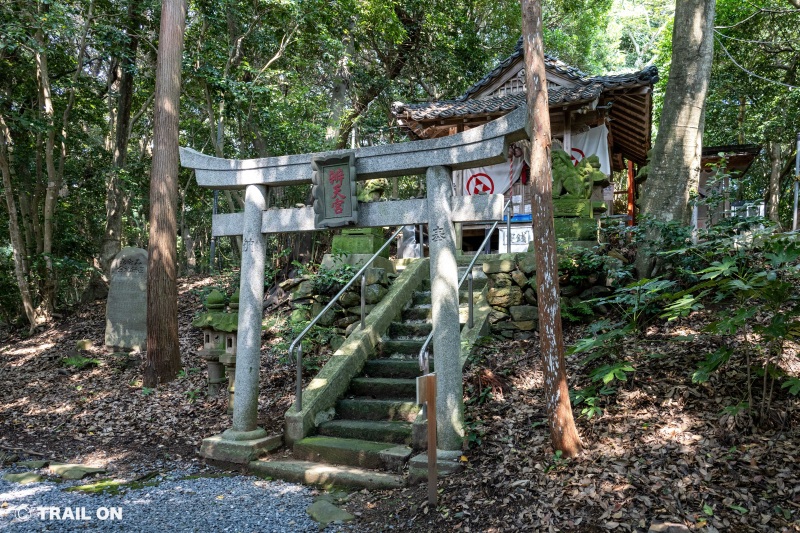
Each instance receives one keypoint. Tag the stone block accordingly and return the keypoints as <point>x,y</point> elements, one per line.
<point>394,459</point>
<point>325,513</point>
<point>126,307</point>
<point>358,244</point>
<point>374,293</point>
<point>530,296</point>
<point>23,478</point>
<point>83,344</point>
<point>350,298</point>
<point>496,316</point>
<point>305,289</point>
<point>520,313</point>
<point>527,325</point>
<point>567,207</point>
<point>375,275</point>
<point>576,229</point>
<point>500,280</point>
<point>357,261</point>
<point>500,263</point>
<point>526,263</point>
<point>519,278</point>
<point>447,463</point>
<point>505,297</point>
<point>330,315</point>
<point>74,471</point>
<point>299,315</point>
<point>229,448</point>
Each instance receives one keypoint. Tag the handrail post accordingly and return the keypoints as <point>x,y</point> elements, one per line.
<point>471,298</point>
<point>299,399</point>
<point>363,298</point>
<point>508,229</point>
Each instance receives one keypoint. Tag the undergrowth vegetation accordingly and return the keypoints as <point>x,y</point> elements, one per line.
<point>734,290</point>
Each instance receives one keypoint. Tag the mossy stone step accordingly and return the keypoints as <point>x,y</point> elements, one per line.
<point>340,451</point>
<point>372,409</point>
<point>398,432</point>
<point>392,368</point>
<point>408,346</point>
<point>417,313</point>
<point>416,328</point>
<point>326,476</point>
<point>384,387</point>
<point>421,298</point>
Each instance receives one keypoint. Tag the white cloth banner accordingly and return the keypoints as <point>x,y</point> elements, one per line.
<point>594,141</point>
<point>495,179</point>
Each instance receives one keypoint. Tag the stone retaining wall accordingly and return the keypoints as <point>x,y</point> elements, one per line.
<point>308,299</point>
<point>511,292</point>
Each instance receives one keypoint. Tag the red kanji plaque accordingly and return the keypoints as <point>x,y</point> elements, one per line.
<point>334,191</point>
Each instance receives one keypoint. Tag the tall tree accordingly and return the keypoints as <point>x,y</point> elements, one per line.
<point>675,163</point>
<point>163,351</point>
<point>112,237</point>
<point>559,410</point>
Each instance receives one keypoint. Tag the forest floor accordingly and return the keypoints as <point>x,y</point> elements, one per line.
<point>663,449</point>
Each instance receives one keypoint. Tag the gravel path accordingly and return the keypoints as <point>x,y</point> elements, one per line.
<point>174,503</point>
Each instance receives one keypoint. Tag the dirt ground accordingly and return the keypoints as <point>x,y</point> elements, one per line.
<point>663,449</point>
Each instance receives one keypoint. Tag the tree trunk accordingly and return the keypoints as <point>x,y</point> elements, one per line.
<point>163,351</point>
<point>774,192</point>
<point>53,182</point>
<point>562,425</point>
<point>13,224</point>
<point>676,155</point>
<point>112,235</point>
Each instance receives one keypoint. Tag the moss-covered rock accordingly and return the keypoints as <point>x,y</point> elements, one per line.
<point>217,320</point>
<point>215,300</point>
<point>505,297</point>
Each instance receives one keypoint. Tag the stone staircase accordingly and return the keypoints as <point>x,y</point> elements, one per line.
<point>370,439</point>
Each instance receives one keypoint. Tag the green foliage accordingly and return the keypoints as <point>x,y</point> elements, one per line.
<point>793,384</point>
<point>608,373</point>
<point>329,281</point>
<point>640,301</point>
<point>192,394</point>
<point>80,362</point>
<point>712,362</point>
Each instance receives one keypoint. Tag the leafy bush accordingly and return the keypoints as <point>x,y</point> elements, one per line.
<point>79,362</point>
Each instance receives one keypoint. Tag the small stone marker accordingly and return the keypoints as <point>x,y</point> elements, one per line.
<point>126,308</point>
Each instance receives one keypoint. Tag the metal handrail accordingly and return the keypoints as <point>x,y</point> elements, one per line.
<point>298,346</point>
<point>424,359</point>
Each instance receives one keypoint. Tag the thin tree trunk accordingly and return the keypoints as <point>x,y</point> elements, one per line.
<point>562,425</point>
<point>13,224</point>
<point>677,152</point>
<point>163,351</point>
<point>112,235</point>
<point>774,192</point>
<point>53,183</point>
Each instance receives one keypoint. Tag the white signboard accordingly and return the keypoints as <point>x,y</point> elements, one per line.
<point>520,237</point>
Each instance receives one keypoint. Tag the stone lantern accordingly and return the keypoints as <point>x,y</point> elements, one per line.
<point>219,341</point>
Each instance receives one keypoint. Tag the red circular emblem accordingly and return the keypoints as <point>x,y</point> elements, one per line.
<point>480,183</point>
<point>578,151</point>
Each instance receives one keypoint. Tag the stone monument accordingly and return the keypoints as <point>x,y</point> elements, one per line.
<point>126,307</point>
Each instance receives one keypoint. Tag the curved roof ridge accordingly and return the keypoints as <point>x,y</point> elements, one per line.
<point>646,76</point>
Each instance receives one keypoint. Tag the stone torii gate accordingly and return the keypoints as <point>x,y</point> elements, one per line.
<point>485,145</point>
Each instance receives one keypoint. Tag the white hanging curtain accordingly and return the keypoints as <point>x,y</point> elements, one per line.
<point>592,142</point>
